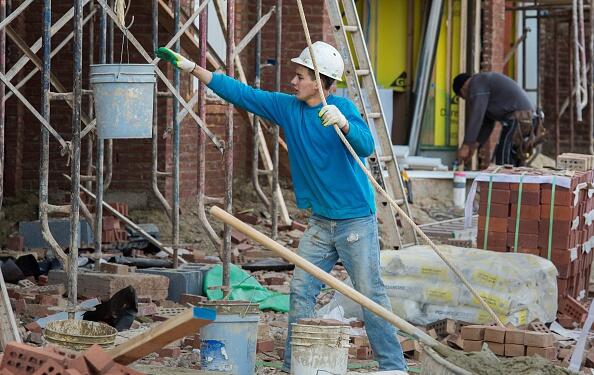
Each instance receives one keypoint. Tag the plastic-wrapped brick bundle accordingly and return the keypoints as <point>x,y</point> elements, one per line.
<point>519,287</point>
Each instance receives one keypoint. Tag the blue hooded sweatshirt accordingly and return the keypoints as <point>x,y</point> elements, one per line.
<point>325,176</point>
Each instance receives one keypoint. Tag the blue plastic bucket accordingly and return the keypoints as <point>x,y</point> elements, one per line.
<point>236,326</point>
<point>123,100</point>
<point>213,356</point>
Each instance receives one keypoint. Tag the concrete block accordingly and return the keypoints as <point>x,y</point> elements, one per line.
<point>184,280</point>
<point>60,228</point>
<point>105,285</point>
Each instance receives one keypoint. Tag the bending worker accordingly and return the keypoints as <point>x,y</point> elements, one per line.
<point>326,180</point>
<point>492,97</point>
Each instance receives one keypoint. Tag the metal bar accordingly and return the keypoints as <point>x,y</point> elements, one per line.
<point>176,141</point>
<point>256,127</point>
<point>176,38</point>
<point>162,76</point>
<point>9,330</point>
<point>15,13</point>
<point>100,152</point>
<point>155,138</point>
<point>591,77</point>
<point>90,142</point>
<point>228,153</point>
<point>131,224</point>
<point>557,110</point>
<point>37,45</point>
<point>571,96</point>
<point>210,232</point>
<point>423,79</point>
<point>53,132</point>
<point>109,144</point>
<point>75,159</point>
<point>252,33</point>
<point>2,104</point>
<point>275,130</point>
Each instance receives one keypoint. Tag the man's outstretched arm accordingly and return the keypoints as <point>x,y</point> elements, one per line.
<point>267,104</point>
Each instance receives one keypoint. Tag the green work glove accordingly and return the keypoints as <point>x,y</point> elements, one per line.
<point>330,115</point>
<point>175,59</point>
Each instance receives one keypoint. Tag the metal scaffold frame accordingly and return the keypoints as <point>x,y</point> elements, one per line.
<point>99,168</point>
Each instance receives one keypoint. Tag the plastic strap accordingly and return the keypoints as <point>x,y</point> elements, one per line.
<point>488,213</point>
<point>551,219</point>
<point>518,209</point>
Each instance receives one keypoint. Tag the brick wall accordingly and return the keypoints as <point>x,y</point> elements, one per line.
<point>559,47</point>
<point>132,158</point>
<point>493,47</point>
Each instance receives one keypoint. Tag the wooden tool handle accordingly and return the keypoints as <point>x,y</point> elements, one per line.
<point>328,279</point>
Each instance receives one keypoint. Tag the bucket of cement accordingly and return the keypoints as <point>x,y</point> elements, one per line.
<point>319,349</point>
<point>79,334</point>
<point>123,100</point>
<point>236,327</point>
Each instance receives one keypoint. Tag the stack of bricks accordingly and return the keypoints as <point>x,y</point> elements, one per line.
<point>509,342</point>
<point>113,230</point>
<point>573,231</point>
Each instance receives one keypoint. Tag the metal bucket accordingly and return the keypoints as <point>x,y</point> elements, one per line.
<point>319,349</point>
<point>433,364</point>
<point>79,334</point>
<point>123,100</point>
<point>236,327</point>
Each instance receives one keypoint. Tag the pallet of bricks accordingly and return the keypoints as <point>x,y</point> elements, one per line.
<point>518,212</point>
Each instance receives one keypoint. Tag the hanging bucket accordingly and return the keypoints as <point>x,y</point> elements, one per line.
<point>236,327</point>
<point>319,349</point>
<point>123,100</point>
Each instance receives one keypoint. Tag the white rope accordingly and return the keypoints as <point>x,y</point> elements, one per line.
<point>120,11</point>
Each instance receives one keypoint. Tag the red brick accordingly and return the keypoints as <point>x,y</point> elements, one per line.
<point>515,350</point>
<point>97,359</point>
<point>525,187</point>
<point>33,327</point>
<point>265,346</point>
<point>531,198</point>
<point>472,345</point>
<point>496,347</point>
<point>497,196</point>
<point>559,212</point>
<point>563,196</point>
<point>513,336</point>
<point>549,353</point>
<point>495,334</point>
<point>538,339</point>
<point>473,332</point>
<point>526,212</point>
<point>525,241</point>
<point>497,210</point>
<point>171,352</point>
<point>496,224</point>
<point>525,226</point>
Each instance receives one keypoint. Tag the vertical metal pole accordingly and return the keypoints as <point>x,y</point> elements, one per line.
<point>175,206</point>
<point>228,153</point>
<point>155,138</point>
<point>256,129</point>
<point>275,129</point>
<point>108,151</point>
<point>89,143</point>
<point>100,152</point>
<point>2,94</point>
<point>557,94</point>
<point>591,135</point>
<point>571,107</point>
<point>45,109</point>
<point>75,166</point>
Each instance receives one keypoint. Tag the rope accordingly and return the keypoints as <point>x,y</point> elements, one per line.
<point>120,11</point>
<point>400,211</point>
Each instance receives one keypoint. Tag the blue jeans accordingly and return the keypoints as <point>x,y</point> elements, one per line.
<point>355,242</point>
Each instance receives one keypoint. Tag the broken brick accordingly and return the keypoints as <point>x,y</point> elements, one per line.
<point>192,299</point>
<point>97,359</point>
<point>169,352</point>
<point>265,346</point>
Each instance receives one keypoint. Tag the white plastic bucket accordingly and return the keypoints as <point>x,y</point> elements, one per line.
<point>319,349</point>
<point>459,189</point>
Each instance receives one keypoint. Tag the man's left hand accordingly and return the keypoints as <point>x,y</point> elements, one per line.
<point>464,153</point>
<point>330,115</point>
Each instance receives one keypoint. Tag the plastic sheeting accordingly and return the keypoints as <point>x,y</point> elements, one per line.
<point>518,287</point>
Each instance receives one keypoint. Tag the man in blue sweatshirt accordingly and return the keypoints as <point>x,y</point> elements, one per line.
<point>327,180</point>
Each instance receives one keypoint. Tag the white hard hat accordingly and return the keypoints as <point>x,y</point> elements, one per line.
<point>327,57</point>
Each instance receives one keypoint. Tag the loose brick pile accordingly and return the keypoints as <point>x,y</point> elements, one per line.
<point>22,359</point>
<point>509,342</point>
<point>573,231</point>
